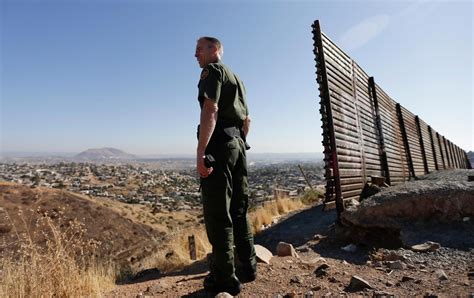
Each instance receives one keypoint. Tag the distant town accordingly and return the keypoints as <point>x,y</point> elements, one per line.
<point>155,182</point>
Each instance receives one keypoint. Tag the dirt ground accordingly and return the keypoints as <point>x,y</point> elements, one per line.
<point>315,237</point>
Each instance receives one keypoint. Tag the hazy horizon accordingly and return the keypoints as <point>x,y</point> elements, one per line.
<point>151,155</point>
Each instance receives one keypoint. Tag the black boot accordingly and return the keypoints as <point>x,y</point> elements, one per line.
<point>247,273</point>
<point>232,286</point>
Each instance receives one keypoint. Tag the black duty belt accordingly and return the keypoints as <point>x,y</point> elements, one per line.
<point>225,134</point>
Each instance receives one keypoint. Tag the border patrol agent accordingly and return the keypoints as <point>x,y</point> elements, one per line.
<point>224,125</point>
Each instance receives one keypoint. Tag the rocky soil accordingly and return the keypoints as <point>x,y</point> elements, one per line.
<point>330,263</point>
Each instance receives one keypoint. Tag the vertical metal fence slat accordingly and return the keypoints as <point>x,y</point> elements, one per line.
<point>381,142</point>
<point>433,148</point>
<point>359,123</point>
<point>447,153</point>
<point>441,151</point>
<point>326,104</point>
<point>405,141</point>
<point>422,145</point>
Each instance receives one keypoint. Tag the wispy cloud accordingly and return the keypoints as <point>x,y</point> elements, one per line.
<point>417,10</point>
<point>363,32</point>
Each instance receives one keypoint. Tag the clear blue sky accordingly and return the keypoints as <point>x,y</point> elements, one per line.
<point>87,74</point>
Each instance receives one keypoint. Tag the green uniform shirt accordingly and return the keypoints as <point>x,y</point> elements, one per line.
<point>218,83</point>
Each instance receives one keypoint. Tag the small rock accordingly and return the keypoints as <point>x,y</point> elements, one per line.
<point>464,219</point>
<point>316,260</point>
<point>303,248</point>
<point>318,237</point>
<point>345,273</point>
<point>290,295</point>
<point>470,274</point>
<point>321,270</point>
<point>377,264</point>
<point>430,295</point>
<point>332,279</point>
<point>223,295</point>
<point>369,190</point>
<point>427,246</point>
<point>389,283</point>
<point>309,294</point>
<point>381,294</point>
<point>407,278</point>
<point>410,266</point>
<point>441,274</point>
<point>392,256</point>
<point>349,248</point>
<point>263,254</point>
<point>295,280</point>
<point>398,265</point>
<point>316,288</point>
<point>357,284</point>
<point>422,266</point>
<point>286,249</point>
<point>352,203</point>
<point>368,263</point>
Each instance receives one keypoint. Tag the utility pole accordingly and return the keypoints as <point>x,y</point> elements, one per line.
<point>305,177</point>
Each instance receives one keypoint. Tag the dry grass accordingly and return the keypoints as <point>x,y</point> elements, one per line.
<point>176,256</point>
<point>51,257</point>
<point>264,215</point>
<point>62,266</point>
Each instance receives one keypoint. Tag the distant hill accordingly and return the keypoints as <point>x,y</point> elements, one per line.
<point>104,154</point>
<point>470,155</point>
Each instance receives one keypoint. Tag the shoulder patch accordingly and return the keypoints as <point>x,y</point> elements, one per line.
<point>204,73</point>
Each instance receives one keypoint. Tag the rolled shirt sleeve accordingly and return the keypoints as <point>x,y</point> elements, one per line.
<point>210,84</point>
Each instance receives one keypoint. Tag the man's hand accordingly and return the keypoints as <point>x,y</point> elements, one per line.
<point>246,126</point>
<point>206,128</point>
<point>203,171</point>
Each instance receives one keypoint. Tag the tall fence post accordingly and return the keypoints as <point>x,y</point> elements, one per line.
<point>455,155</point>
<point>422,145</point>
<point>433,148</point>
<point>330,150</point>
<point>441,150</point>
<point>405,141</point>
<point>192,247</point>
<point>461,161</point>
<point>381,141</point>
<point>453,148</point>
<point>447,152</point>
<point>458,155</point>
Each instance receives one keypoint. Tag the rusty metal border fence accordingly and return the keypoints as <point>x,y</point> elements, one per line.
<point>366,133</point>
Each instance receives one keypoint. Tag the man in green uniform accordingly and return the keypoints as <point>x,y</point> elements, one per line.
<point>222,131</point>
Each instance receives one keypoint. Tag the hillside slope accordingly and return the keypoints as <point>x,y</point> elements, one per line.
<point>128,233</point>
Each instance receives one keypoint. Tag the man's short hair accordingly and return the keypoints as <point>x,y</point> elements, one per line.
<point>216,42</point>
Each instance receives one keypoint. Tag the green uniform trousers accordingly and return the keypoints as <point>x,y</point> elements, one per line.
<point>225,203</point>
